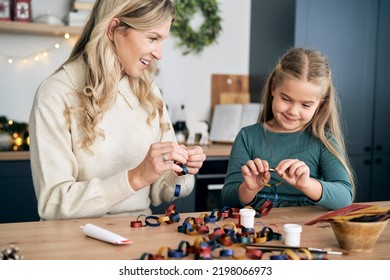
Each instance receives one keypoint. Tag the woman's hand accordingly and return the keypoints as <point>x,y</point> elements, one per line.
<point>163,157</point>
<point>195,160</point>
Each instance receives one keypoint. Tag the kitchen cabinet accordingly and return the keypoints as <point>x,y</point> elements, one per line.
<point>271,34</point>
<point>355,36</point>
<point>380,143</point>
<point>209,183</point>
<point>17,197</point>
<point>357,42</point>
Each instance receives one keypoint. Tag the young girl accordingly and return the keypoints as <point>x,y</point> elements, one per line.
<point>295,154</point>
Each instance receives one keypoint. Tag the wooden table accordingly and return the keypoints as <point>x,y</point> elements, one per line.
<point>64,240</point>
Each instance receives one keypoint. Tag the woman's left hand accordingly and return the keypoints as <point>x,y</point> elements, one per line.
<point>294,172</point>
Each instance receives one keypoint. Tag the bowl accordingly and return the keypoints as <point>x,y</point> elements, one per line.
<point>49,19</point>
<point>358,236</point>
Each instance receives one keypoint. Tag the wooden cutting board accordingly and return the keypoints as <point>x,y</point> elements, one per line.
<point>229,89</point>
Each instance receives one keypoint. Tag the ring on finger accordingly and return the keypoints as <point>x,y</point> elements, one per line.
<point>165,157</point>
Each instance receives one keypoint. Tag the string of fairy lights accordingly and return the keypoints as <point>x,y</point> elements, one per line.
<point>18,138</point>
<point>37,56</point>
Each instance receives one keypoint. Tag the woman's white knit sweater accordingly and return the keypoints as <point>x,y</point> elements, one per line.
<point>73,182</point>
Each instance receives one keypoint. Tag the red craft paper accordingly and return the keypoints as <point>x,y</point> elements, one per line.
<point>339,212</point>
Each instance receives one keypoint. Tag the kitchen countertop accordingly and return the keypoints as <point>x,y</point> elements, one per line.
<point>19,155</point>
<point>213,150</point>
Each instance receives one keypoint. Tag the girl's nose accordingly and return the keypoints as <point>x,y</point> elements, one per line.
<point>293,109</point>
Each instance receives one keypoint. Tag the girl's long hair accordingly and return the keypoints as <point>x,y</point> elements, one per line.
<point>312,66</point>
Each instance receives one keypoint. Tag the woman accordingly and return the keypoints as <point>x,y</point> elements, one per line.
<point>102,143</point>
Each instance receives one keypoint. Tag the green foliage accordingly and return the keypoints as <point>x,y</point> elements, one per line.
<point>195,41</point>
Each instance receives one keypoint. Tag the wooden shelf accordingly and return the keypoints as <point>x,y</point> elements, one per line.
<point>28,28</point>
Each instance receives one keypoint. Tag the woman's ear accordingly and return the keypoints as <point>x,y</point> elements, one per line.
<point>111,28</point>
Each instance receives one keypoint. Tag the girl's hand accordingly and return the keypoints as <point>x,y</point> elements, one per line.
<point>256,174</point>
<point>294,172</point>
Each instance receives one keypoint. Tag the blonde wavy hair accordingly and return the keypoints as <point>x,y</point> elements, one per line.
<point>104,67</point>
<point>312,66</point>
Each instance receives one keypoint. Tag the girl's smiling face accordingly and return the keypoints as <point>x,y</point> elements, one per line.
<point>294,105</point>
<point>137,48</point>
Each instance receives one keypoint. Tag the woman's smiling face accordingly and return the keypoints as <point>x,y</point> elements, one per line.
<point>137,48</point>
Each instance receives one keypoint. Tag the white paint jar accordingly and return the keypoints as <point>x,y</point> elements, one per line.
<point>292,235</point>
<point>247,217</point>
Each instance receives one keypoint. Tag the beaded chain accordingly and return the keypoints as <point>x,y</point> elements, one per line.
<point>133,105</point>
<point>74,83</point>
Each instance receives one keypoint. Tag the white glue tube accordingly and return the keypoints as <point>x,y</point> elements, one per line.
<point>104,235</point>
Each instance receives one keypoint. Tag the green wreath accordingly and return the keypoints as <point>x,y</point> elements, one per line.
<point>195,41</point>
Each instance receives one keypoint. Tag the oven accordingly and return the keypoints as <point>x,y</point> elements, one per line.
<point>209,182</point>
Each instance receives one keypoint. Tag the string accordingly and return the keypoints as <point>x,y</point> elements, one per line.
<point>277,183</point>
<point>36,56</point>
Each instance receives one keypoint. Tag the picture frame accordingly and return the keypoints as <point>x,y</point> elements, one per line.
<point>22,10</point>
<point>5,10</point>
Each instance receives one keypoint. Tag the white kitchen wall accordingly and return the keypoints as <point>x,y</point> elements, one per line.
<point>182,79</point>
